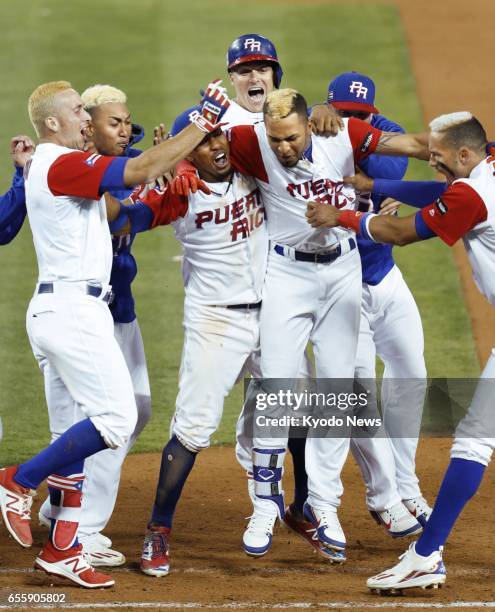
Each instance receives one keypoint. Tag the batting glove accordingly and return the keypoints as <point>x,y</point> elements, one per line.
<point>213,106</point>
<point>187,183</point>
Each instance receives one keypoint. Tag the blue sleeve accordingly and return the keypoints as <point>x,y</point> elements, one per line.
<point>423,231</point>
<point>113,178</point>
<point>140,216</point>
<point>414,193</point>
<point>12,208</point>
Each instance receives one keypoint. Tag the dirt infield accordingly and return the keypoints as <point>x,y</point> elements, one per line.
<point>450,46</point>
<point>208,566</point>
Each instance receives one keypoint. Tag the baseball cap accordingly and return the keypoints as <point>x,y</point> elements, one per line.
<point>352,91</point>
<point>184,119</point>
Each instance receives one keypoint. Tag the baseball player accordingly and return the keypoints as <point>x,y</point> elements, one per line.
<point>390,326</point>
<point>111,132</point>
<point>291,167</point>
<point>13,202</point>
<point>457,145</point>
<point>255,71</point>
<point>225,247</point>
<point>68,321</point>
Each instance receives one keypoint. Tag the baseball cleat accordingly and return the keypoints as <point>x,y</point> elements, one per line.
<point>398,521</point>
<point>413,571</point>
<point>154,556</point>
<point>73,565</point>
<point>257,538</point>
<point>327,525</point>
<point>101,555</point>
<point>419,508</point>
<point>15,504</point>
<point>294,520</point>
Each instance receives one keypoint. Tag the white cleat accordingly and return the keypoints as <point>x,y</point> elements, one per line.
<point>99,553</point>
<point>419,509</point>
<point>326,522</point>
<point>398,521</point>
<point>413,571</point>
<point>257,538</point>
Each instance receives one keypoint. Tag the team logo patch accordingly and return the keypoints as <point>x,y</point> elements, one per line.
<point>359,89</point>
<point>92,159</point>
<point>441,206</point>
<point>252,44</point>
<point>366,142</point>
<point>265,474</point>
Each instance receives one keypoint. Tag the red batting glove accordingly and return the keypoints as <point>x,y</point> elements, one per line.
<point>187,183</point>
<point>213,106</point>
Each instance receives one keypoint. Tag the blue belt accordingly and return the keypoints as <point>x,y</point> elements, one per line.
<point>326,257</point>
<point>92,290</point>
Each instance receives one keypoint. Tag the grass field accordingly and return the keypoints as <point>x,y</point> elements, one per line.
<point>161,53</point>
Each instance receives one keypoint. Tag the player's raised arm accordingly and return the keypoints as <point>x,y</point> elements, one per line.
<point>162,158</point>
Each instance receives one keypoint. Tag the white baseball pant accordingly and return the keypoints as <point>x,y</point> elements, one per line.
<point>218,343</point>
<point>475,434</point>
<point>391,327</point>
<point>102,470</point>
<point>304,301</point>
<point>73,332</point>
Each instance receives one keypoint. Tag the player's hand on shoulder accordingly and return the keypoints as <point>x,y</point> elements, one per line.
<point>21,150</point>
<point>389,206</point>
<point>325,121</point>
<point>321,215</point>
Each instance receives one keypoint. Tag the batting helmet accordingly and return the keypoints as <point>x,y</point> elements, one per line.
<point>254,48</point>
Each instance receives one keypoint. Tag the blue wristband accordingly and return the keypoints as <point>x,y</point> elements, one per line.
<point>363,230</point>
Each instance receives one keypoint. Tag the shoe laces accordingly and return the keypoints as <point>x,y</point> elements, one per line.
<point>24,506</point>
<point>326,517</point>
<point>154,545</point>
<point>261,523</point>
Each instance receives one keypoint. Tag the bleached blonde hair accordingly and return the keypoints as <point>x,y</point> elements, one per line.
<point>460,129</point>
<point>444,122</point>
<point>280,103</point>
<point>42,103</point>
<point>96,95</point>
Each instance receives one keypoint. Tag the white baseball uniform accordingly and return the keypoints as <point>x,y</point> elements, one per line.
<point>467,210</point>
<point>225,244</point>
<point>303,300</point>
<point>68,321</point>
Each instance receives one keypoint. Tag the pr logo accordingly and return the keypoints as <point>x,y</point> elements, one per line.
<point>252,44</point>
<point>359,89</point>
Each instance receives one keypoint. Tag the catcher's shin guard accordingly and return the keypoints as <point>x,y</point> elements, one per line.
<point>65,499</point>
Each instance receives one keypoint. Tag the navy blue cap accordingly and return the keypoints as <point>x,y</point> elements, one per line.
<point>184,119</point>
<point>352,91</point>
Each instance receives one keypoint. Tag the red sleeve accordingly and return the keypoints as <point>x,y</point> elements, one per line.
<point>165,206</point>
<point>245,152</point>
<point>364,138</point>
<point>78,174</point>
<point>456,212</point>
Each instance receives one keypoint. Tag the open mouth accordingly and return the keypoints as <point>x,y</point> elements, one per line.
<point>221,161</point>
<point>256,93</point>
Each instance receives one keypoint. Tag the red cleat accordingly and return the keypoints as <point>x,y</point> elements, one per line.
<point>154,556</point>
<point>73,565</point>
<point>15,503</point>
